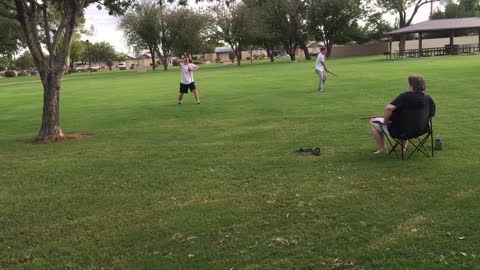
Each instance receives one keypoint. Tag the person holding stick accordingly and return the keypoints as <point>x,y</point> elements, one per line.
<point>387,123</point>
<point>187,81</point>
<point>321,68</point>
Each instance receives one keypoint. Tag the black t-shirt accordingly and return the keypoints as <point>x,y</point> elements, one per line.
<point>403,100</point>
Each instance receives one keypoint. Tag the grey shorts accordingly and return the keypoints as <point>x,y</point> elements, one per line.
<point>378,124</point>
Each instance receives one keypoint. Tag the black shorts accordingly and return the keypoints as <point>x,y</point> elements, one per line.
<point>184,87</point>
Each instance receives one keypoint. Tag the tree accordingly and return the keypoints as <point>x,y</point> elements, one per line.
<point>287,21</point>
<point>141,27</point>
<point>332,21</point>
<point>164,47</point>
<point>191,30</point>
<point>262,25</point>
<point>231,19</point>
<point>50,25</point>
<point>374,29</point>
<point>471,7</point>
<point>109,64</point>
<point>452,10</point>
<point>25,61</point>
<point>99,52</point>
<point>400,7</point>
<point>77,49</point>
<point>10,37</point>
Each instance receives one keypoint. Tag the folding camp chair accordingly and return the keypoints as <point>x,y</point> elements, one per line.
<point>414,123</point>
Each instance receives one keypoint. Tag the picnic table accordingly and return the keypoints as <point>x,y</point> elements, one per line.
<point>437,51</point>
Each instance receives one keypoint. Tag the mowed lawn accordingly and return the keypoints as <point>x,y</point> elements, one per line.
<point>218,185</point>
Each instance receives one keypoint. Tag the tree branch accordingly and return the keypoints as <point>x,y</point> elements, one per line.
<point>418,5</point>
<point>71,12</point>
<point>47,28</point>
<point>58,33</point>
<point>27,21</point>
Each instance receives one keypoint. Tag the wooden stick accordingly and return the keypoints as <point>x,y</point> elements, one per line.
<point>370,117</point>
<point>332,73</point>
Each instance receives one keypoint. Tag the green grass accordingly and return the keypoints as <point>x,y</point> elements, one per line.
<point>217,185</point>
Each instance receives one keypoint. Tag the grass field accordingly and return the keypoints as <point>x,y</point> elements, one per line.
<point>218,186</point>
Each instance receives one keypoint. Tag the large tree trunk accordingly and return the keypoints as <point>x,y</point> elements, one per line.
<point>270,54</point>
<point>239,57</point>
<point>163,57</point>
<point>329,44</point>
<point>165,62</point>
<point>290,50</point>
<point>304,47</point>
<point>401,43</point>
<point>152,53</point>
<point>306,52</point>
<point>50,129</point>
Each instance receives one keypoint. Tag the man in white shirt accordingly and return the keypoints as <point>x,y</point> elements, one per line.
<point>187,81</point>
<point>321,68</point>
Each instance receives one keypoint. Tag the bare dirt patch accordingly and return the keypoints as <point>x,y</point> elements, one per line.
<point>66,137</point>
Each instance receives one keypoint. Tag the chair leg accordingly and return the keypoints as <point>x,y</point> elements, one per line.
<point>431,135</point>
<point>420,146</point>
<point>393,146</point>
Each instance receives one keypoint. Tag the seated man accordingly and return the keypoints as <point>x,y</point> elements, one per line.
<point>392,111</point>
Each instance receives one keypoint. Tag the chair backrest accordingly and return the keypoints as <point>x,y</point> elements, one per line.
<point>414,119</point>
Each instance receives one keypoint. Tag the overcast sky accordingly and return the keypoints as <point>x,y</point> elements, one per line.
<point>105,26</point>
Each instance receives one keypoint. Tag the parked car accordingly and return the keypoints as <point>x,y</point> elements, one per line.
<point>282,56</point>
<point>122,66</point>
<point>81,68</point>
<point>94,68</point>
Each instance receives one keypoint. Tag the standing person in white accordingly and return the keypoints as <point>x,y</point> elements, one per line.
<point>187,81</point>
<point>321,68</point>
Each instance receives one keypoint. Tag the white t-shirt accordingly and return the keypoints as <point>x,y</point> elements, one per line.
<point>187,76</point>
<point>318,63</point>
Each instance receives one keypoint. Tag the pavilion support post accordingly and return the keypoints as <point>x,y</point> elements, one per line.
<point>420,47</point>
<point>451,50</point>
<point>479,39</point>
<point>390,45</point>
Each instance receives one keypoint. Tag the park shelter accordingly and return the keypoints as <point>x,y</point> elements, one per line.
<point>433,26</point>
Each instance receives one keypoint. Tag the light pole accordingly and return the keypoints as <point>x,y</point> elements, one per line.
<point>88,56</point>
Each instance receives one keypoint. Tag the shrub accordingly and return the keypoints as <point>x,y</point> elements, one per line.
<point>256,56</point>
<point>194,58</point>
<point>33,72</point>
<point>175,63</point>
<point>197,62</point>
<point>218,60</point>
<point>132,66</point>
<point>10,73</point>
<point>109,64</point>
<point>122,68</point>
<point>231,56</point>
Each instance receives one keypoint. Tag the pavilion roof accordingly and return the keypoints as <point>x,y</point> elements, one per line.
<point>439,25</point>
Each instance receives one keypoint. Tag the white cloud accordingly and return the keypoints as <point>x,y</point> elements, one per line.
<point>105,28</point>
